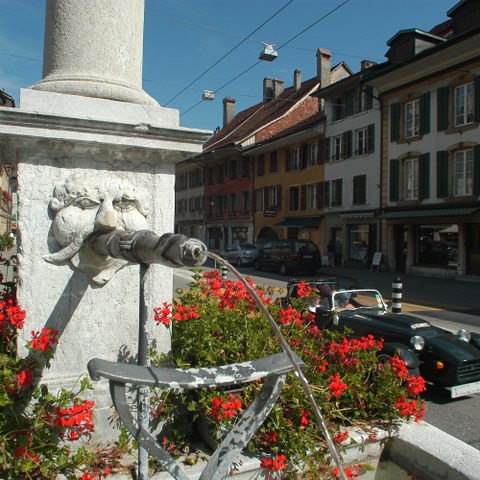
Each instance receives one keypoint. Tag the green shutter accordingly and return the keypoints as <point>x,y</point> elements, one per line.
<point>442,174</point>
<point>425,113</point>
<point>394,122</point>
<point>327,149</point>
<point>424,176</point>
<point>347,142</point>
<point>476,170</point>
<point>394,179</point>
<point>371,138</point>
<point>442,108</point>
<point>476,86</point>
<point>349,101</point>
<point>327,193</point>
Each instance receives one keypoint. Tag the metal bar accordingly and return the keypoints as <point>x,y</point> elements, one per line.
<point>298,369</point>
<point>143,392</point>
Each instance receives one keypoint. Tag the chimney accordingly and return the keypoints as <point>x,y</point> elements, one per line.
<point>364,64</point>
<point>267,89</point>
<point>297,80</point>
<point>278,88</point>
<point>228,110</point>
<point>324,58</point>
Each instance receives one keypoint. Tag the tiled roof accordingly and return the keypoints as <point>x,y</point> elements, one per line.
<point>255,117</point>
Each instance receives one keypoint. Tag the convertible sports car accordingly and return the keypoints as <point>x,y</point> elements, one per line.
<point>442,357</point>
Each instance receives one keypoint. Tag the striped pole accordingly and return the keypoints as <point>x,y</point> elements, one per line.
<point>224,270</point>
<point>397,295</point>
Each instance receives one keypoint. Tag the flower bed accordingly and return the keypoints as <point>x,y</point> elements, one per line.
<point>217,322</point>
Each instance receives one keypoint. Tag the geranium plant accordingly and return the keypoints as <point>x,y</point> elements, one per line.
<point>42,434</point>
<point>217,322</point>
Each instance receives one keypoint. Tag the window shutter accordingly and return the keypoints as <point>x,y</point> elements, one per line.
<point>442,174</point>
<point>321,151</point>
<point>424,175</point>
<point>303,156</point>
<point>425,113</point>
<point>394,122</point>
<point>288,155</point>
<point>320,195</point>
<point>254,201</point>
<point>442,108</point>
<point>347,142</point>
<point>368,97</point>
<point>303,197</point>
<point>279,201</point>
<point>394,179</point>
<point>327,149</point>
<point>327,194</point>
<point>476,93</point>
<point>476,170</point>
<point>371,138</point>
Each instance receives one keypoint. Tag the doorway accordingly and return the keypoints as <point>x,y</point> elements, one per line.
<point>400,245</point>
<point>473,249</point>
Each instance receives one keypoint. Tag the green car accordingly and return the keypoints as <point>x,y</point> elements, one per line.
<point>443,358</point>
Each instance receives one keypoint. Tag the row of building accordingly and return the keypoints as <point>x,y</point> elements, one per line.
<point>385,160</point>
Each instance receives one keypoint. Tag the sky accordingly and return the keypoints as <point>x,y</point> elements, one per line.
<point>195,45</point>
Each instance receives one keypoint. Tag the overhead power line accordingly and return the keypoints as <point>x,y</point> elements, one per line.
<point>229,52</point>
<point>333,10</point>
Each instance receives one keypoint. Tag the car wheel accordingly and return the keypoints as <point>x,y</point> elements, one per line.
<point>239,262</point>
<point>283,269</point>
<point>257,265</point>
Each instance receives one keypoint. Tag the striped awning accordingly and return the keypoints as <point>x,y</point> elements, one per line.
<point>430,212</point>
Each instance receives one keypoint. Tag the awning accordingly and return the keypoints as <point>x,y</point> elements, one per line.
<point>430,212</point>
<point>357,215</point>
<point>305,222</point>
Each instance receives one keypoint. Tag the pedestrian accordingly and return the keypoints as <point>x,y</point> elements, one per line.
<point>331,254</point>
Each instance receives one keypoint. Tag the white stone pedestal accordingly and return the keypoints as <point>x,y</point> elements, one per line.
<point>50,137</point>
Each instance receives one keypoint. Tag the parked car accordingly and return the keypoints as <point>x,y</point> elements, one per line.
<point>240,255</point>
<point>440,356</point>
<point>288,256</point>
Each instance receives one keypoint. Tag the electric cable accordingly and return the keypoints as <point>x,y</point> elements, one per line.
<point>260,61</point>
<point>229,52</point>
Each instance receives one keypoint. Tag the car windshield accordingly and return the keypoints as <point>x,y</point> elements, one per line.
<point>354,299</point>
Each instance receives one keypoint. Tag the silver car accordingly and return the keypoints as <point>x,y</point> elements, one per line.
<point>240,255</point>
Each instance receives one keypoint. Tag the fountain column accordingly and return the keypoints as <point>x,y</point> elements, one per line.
<point>91,148</point>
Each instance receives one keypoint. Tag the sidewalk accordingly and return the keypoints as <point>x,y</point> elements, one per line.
<point>447,294</point>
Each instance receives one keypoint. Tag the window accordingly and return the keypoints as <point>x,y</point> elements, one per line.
<point>273,162</point>
<point>260,199</point>
<point>464,104</point>
<point>274,196</point>
<point>232,207</point>
<point>245,208</point>
<point>360,190</point>
<point>210,176</point>
<point>295,158</point>
<point>410,177</point>
<point>361,141</point>
<point>333,193</point>
<point>220,173</point>
<point>246,167</point>
<point>313,155</point>
<point>294,198</point>
<point>436,245</point>
<point>337,150</point>
<point>463,173</point>
<point>312,196</point>
<point>338,109</point>
<point>412,119</point>
<point>261,165</point>
<point>232,170</point>
<point>336,192</point>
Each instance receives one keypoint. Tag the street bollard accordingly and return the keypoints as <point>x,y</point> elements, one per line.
<point>224,271</point>
<point>397,295</point>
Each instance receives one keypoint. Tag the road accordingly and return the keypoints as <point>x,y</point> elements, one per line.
<point>458,417</point>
